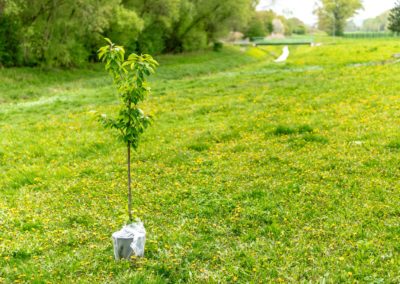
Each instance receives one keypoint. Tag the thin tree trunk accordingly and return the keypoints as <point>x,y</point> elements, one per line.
<point>129,184</point>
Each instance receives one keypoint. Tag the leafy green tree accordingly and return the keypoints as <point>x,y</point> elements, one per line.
<point>129,77</point>
<point>333,14</point>
<point>60,32</point>
<point>255,28</point>
<point>158,17</point>
<point>394,18</point>
<point>202,22</point>
<point>260,24</point>
<point>296,26</point>
<point>125,27</point>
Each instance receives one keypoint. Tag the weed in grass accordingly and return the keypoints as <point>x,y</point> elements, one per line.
<point>394,145</point>
<point>199,146</point>
<point>290,130</point>
<point>315,139</point>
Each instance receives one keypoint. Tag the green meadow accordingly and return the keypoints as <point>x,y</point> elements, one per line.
<point>253,172</point>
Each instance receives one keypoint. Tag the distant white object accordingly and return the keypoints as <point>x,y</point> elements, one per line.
<point>130,240</point>
<point>357,143</point>
<point>278,27</point>
<point>313,44</point>
<point>284,55</point>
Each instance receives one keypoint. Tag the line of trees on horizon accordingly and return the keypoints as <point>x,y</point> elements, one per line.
<point>334,15</point>
<point>69,32</point>
<point>267,22</point>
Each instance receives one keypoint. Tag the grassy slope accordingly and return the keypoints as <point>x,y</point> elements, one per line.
<point>253,172</point>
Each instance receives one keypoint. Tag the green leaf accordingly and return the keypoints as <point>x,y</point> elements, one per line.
<point>108,40</point>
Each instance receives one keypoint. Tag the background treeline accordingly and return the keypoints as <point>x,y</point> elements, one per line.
<point>69,32</point>
<point>267,22</point>
<point>376,24</point>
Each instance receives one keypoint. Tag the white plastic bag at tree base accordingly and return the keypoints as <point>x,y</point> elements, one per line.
<point>130,240</point>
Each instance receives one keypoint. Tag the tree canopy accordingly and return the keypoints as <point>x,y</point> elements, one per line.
<point>260,24</point>
<point>333,14</point>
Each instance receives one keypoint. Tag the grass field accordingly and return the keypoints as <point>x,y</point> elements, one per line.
<point>253,172</point>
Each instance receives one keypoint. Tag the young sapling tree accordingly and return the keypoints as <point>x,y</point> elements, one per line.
<point>129,77</point>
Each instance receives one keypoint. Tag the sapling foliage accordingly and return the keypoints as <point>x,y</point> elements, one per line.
<point>129,77</point>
